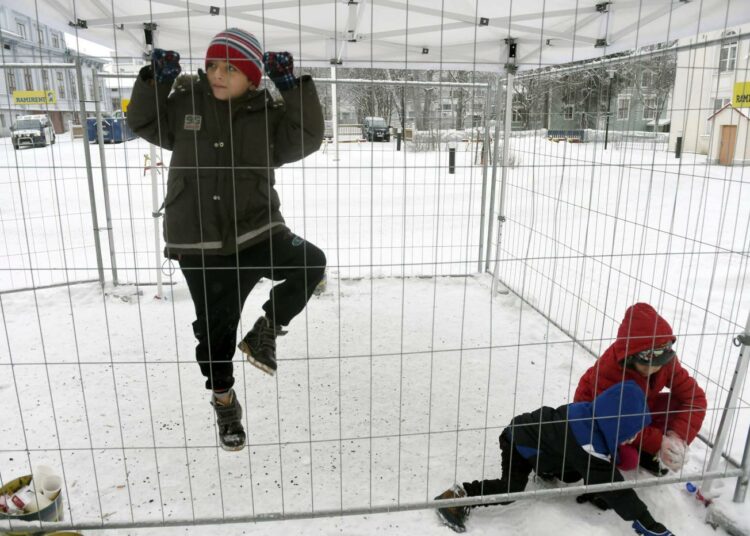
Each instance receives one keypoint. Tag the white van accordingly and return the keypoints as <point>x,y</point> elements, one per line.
<point>32,131</point>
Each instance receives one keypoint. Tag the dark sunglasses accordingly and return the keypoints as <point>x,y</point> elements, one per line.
<point>655,357</point>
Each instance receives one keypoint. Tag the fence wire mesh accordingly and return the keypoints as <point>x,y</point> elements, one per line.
<point>482,244</point>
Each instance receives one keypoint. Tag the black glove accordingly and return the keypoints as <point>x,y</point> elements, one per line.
<point>654,529</point>
<point>279,67</point>
<point>594,499</point>
<point>651,464</point>
<point>164,68</point>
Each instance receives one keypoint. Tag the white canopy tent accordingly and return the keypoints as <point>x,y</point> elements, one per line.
<point>469,34</point>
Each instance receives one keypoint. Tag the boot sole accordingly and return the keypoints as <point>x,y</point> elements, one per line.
<point>231,449</point>
<point>250,359</point>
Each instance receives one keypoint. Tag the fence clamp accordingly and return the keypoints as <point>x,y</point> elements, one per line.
<point>742,339</point>
<point>148,30</point>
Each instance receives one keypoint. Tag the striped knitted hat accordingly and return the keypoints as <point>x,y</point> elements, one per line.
<point>240,48</point>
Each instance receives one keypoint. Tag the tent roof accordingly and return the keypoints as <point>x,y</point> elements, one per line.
<point>468,34</point>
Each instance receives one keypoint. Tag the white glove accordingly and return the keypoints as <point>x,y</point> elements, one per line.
<point>673,452</point>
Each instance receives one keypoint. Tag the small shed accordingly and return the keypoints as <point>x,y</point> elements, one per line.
<point>730,136</point>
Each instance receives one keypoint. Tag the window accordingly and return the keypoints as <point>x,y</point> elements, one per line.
<point>60,84</point>
<point>45,80</point>
<point>568,111</point>
<point>55,41</point>
<point>728,57</point>
<point>21,29</point>
<point>649,108</point>
<point>11,78</point>
<point>40,33</point>
<point>73,87</point>
<point>447,107</point>
<point>719,104</point>
<point>27,79</point>
<point>2,120</point>
<point>647,79</point>
<point>623,107</point>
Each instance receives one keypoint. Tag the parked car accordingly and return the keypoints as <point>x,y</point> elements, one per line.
<point>32,131</point>
<point>376,129</point>
<point>115,128</point>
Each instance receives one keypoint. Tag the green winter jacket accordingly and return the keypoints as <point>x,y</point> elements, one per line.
<point>220,192</point>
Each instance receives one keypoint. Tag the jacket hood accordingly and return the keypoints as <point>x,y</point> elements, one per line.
<point>641,328</point>
<point>614,417</point>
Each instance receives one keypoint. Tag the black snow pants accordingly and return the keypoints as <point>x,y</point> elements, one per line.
<point>220,284</point>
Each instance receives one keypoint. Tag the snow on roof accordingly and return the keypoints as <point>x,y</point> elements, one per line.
<point>662,122</point>
<point>469,34</point>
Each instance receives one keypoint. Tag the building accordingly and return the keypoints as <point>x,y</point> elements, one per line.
<point>633,89</point>
<point>730,136</point>
<point>23,40</point>
<point>709,67</point>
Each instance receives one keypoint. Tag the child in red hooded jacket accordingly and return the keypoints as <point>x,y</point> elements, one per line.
<point>643,352</point>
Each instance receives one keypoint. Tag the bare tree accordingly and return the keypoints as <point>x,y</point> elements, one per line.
<point>651,79</point>
<point>589,85</point>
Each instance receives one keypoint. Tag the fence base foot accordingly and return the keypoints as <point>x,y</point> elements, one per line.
<point>734,524</point>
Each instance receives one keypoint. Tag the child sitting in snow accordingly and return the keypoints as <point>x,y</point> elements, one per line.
<point>575,441</point>
<point>643,352</point>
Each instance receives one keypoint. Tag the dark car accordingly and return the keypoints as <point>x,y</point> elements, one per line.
<point>376,129</point>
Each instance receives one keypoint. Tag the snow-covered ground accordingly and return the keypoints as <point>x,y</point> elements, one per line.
<point>389,388</point>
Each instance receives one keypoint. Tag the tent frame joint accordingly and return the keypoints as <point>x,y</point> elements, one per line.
<point>79,23</point>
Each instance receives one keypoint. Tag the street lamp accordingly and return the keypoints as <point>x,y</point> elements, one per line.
<point>611,73</point>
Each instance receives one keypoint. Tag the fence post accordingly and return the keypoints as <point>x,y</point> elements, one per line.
<point>89,172</point>
<point>451,160</point>
<point>335,112</point>
<point>495,146</point>
<point>740,491</point>
<point>730,408</point>
<point>511,75</point>
<point>103,167</point>
<point>485,164</point>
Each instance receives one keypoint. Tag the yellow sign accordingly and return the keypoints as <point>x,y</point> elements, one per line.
<point>741,96</point>
<point>124,105</point>
<point>31,98</point>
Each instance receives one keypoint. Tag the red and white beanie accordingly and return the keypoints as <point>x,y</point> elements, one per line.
<point>240,48</point>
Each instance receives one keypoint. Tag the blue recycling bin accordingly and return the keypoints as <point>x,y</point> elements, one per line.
<point>115,129</point>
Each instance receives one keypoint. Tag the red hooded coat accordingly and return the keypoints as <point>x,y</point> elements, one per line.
<point>641,329</point>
